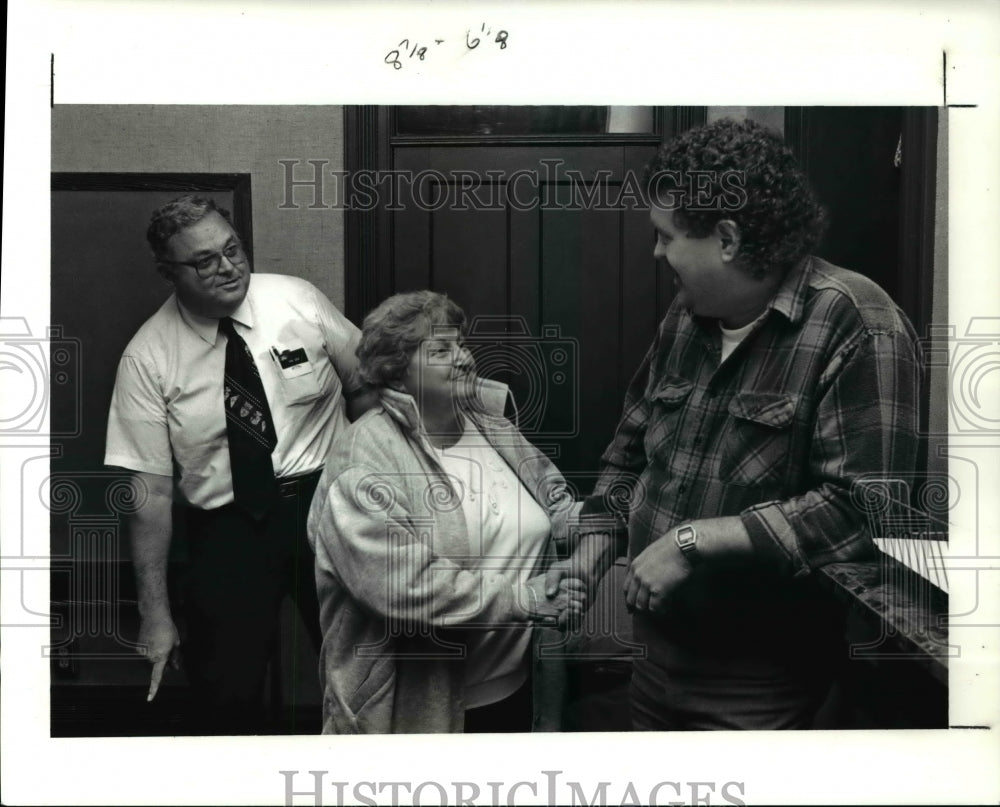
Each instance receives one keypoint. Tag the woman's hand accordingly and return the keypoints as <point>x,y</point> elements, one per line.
<point>556,603</point>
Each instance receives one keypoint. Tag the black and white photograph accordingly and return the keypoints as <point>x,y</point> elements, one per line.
<point>442,377</point>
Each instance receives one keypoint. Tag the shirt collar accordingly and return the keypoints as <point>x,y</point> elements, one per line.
<point>207,328</point>
<point>790,298</point>
<point>244,314</point>
<point>403,409</point>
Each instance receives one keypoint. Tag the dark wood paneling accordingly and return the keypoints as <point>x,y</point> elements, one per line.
<point>602,323</point>
<point>411,248</point>
<point>881,209</point>
<point>561,289</point>
<point>467,263</point>
<point>583,277</point>
<point>848,157</point>
<point>642,307</point>
<point>367,235</point>
<point>524,265</point>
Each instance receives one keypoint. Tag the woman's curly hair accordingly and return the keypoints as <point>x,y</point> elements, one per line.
<point>393,331</point>
<point>753,179</point>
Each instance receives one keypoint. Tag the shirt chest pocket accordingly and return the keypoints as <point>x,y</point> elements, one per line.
<point>301,380</point>
<point>666,412</point>
<point>757,446</point>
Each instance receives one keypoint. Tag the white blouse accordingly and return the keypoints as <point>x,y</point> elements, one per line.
<point>507,534</point>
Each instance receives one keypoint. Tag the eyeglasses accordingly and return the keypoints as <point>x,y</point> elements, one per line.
<point>209,265</point>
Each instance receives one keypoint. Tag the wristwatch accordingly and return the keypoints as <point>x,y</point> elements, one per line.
<point>686,538</point>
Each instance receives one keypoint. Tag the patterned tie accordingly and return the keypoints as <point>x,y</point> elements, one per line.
<point>249,427</point>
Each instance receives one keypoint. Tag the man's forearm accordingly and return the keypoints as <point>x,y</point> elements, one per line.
<point>150,531</point>
<point>593,556</point>
<point>721,539</point>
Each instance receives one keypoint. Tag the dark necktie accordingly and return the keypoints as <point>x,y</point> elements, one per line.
<point>249,427</point>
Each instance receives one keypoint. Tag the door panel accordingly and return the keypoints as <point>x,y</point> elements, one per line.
<point>411,251</point>
<point>524,248</point>
<point>577,278</point>
<point>468,259</point>
<point>642,304</point>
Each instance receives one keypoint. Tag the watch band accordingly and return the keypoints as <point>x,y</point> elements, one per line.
<point>686,538</point>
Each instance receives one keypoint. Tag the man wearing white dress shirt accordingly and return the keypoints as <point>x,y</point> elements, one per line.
<point>171,424</point>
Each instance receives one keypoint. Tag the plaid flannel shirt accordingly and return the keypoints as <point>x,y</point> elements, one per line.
<point>823,391</point>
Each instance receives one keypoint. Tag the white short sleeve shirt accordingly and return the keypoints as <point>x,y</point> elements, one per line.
<point>166,412</point>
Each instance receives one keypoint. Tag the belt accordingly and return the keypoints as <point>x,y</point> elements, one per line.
<point>289,486</point>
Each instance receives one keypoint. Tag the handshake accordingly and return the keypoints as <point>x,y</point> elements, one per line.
<point>555,598</point>
<point>559,597</point>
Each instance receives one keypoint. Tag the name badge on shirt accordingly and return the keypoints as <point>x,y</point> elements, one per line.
<point>293,363</point>
<point>299,382</point>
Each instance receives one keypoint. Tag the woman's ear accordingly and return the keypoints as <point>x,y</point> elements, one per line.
<point>728,232</point>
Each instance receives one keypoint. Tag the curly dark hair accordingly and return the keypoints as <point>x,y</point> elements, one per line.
<point>393,331</point>
<point>753,179</point>
<point>177,214</point>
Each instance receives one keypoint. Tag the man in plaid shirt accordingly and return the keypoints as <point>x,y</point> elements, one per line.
<point>775,381</point>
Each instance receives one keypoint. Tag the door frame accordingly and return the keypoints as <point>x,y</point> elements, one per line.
<point>182,183</point>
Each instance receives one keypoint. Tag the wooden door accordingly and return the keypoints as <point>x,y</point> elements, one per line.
<point>550,256</point>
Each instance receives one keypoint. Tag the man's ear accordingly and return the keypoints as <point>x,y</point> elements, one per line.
<point>728,232</point>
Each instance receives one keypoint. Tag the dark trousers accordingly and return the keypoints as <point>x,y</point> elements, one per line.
<point>240,572</point>
<point>511,715</point>
<point>714,695</point>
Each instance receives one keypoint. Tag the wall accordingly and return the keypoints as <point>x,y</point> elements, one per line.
<point>226,139</point>
<point>771,116</point>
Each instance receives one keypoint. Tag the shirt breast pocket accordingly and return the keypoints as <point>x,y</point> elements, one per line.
<point>757,445</point>
<point>666,409</point>
<point>300,378</point>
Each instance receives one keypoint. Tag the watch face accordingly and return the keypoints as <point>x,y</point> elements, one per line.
<point>686,538</point>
